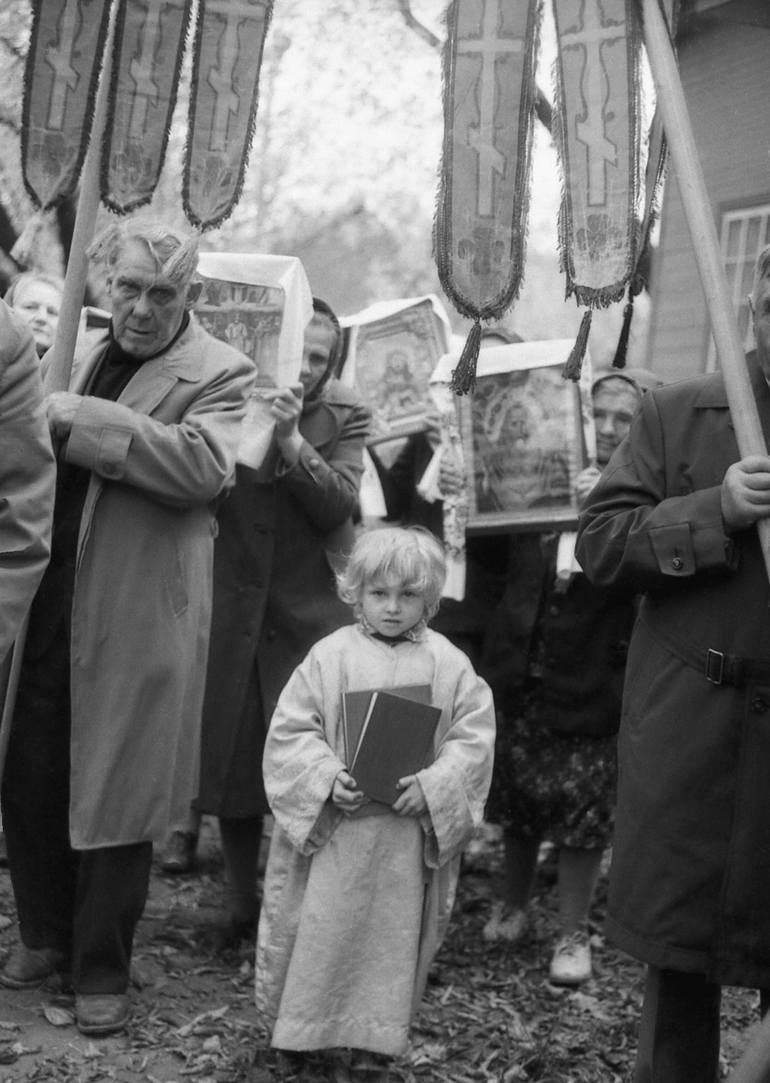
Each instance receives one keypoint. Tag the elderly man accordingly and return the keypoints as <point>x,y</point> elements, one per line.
<point>104,745</point>
<point>27,476</point>
<point>675,516</point>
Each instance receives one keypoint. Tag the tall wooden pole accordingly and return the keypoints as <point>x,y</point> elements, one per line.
<point>708,255</point>
<point>57,376</point>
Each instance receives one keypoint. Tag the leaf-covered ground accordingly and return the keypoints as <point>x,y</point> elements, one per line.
<point>489,1013</point>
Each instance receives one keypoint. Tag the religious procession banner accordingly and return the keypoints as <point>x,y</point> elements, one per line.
<point>147,62</point>
<point>481,217</point>
<point>229,40</point>
<point>60,80</point>
<point>597,126</point>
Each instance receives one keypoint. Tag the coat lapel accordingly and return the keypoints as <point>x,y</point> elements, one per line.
<point>144,392</point>
<point>153,380</point>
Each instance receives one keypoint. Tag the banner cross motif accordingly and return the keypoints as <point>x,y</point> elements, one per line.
<point>481,137</point>
<point>595,87</point>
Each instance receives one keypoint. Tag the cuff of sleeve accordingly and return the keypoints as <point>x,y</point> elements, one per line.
<point>309,466</point>
<point>696,541</point>
<point>96,446</point>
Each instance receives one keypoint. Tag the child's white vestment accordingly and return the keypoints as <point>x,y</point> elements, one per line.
<point>355,908</point>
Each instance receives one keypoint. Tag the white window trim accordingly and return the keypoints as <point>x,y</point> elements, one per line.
<point>735,266</point>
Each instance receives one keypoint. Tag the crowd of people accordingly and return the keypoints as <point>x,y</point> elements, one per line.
<point>182,633</point>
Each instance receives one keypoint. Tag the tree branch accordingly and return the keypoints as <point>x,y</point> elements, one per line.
<point>427,35</point>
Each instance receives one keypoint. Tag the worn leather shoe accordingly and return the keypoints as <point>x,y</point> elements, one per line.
<point>101,1013</point>
<point>27,968</point>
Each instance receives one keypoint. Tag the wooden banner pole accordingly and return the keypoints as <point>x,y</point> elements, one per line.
<point>57,376</point>
<point>58,372</point>
<point>705,242</point>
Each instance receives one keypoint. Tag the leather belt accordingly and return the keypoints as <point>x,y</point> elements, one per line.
<point>718,667</point>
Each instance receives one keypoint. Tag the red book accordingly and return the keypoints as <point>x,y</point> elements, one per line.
<point>396,740</point>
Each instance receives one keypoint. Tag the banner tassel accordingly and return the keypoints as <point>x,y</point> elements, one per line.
<point>574,362</point>
<point>464,376</point>
<point>619,360</point>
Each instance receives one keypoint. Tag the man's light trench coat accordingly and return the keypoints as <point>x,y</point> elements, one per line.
<point>159,456</point>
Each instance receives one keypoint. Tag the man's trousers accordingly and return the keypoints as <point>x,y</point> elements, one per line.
<point>84,903</point>
<point>679,1030</point>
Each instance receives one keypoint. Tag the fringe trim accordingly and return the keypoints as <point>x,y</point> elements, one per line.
<point>110,128</point>
<point>464,376</point>
<point>67,184</point>
<point>496,307</point>
<point>574,363</point>
<point>193,217</point>
<point>612,292</point>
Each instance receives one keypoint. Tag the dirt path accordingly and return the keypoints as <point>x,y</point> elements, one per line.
<point>489,1013</point>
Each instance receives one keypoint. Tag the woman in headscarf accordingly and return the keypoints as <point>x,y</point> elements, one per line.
<point>280,530</point>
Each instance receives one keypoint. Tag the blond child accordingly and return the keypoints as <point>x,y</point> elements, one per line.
<point>356,904</point>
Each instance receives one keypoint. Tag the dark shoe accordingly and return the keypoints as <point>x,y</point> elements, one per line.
<point>237,930</point>
<point>27,968</point>
<point>179,854</point>
<point>101,1013</point>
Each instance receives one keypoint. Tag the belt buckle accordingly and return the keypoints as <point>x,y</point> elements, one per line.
<point>715,666</point>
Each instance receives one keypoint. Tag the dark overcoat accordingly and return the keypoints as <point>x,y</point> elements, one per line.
<point>690,878</point>
<point>274,591</point>
<point>572,635</point>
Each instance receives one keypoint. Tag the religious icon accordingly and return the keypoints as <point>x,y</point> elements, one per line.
<point>390,361</point>
<point>246,316</point>
<point>525,433</point>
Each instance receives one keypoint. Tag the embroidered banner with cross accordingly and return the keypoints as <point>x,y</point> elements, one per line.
<point>489,90</point>
<point>229,40</point>
<point>598,137</point>
<point>60,81</point>
<point>147,61</point>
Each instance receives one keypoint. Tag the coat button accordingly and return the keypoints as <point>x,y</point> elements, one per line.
<point>677,564</point>
<point>759,705</point>
<point>314,462</point>
<point>554,610</point>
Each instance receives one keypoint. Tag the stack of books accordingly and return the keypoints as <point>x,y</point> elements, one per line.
<point>388,735</point>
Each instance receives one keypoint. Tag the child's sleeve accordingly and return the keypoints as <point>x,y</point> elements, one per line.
<point>299,765</point>
<point>457,783</point>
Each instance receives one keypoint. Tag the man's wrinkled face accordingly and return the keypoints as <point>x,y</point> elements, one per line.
<point>615,402</point>
<point>759,304</point>
<point>320,340</point>
<point>147,307</point>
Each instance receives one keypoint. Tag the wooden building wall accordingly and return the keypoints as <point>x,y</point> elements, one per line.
<point>725,68</point>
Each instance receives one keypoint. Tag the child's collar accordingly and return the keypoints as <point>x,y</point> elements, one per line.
<point>411,635</point>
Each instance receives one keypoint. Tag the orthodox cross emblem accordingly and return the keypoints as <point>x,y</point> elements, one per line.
<point>489,47</point>
<point>59,58</point>
<point>590,37</point>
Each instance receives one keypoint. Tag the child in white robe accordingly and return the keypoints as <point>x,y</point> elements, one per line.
<point>355,904</point>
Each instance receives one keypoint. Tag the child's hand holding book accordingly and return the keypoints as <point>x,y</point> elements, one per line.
<point>345,793</point>
<point>411,800</point>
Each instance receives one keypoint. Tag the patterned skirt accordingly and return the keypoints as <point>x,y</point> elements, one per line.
<point>552,786</point>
